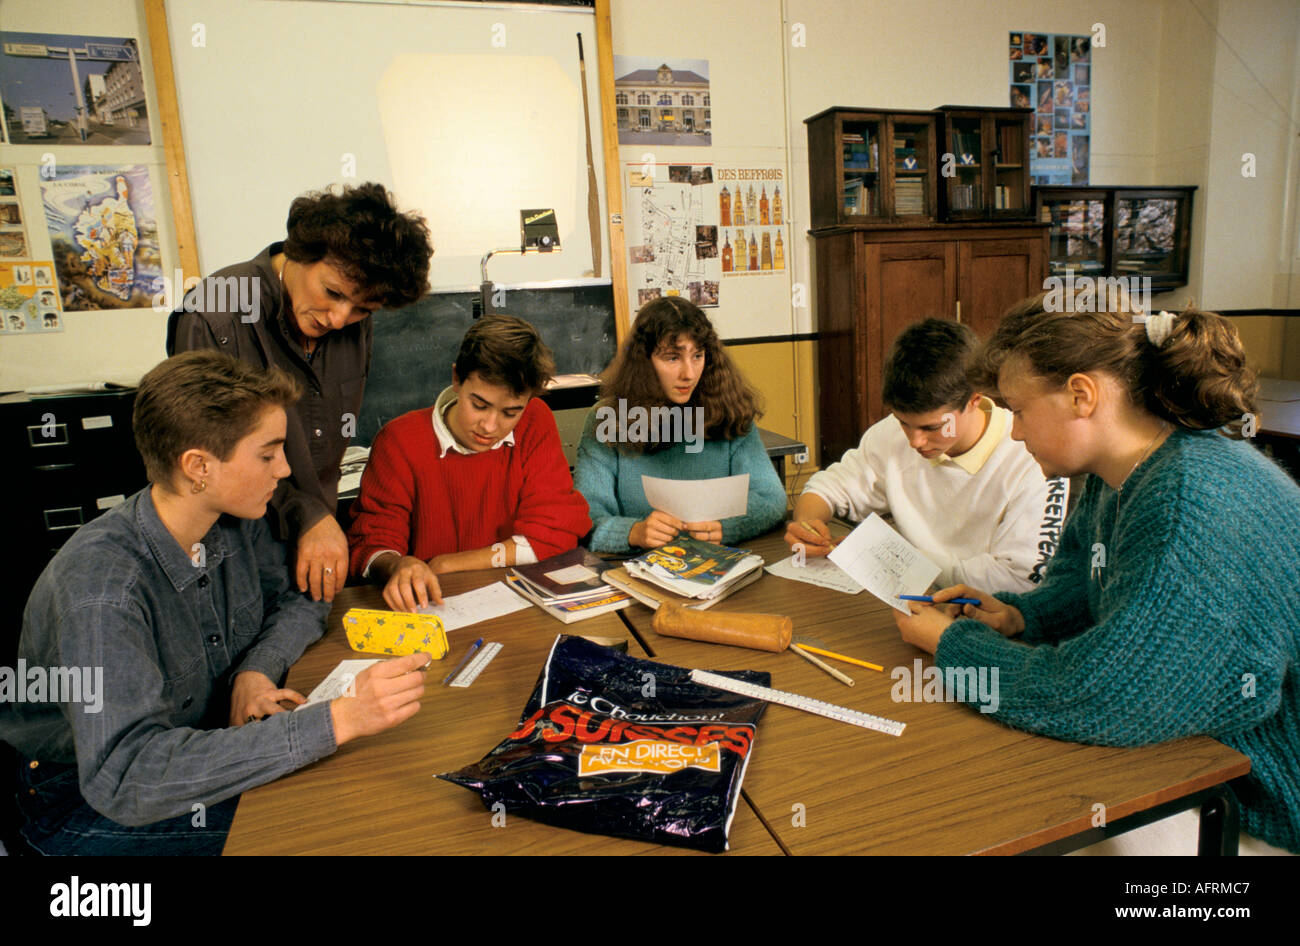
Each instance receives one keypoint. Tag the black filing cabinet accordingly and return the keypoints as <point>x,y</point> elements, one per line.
<point>63,461</point>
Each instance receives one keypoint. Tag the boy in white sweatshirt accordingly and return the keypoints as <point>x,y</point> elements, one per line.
<point>944,465</point>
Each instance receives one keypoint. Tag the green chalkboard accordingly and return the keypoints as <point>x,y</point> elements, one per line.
<point>415,346</point>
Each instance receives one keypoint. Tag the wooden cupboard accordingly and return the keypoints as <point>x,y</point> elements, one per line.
<point>873,282</point>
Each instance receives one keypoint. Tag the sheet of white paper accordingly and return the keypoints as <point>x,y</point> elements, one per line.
<point>481,604</point>
<point>698,500</point>
<point>816,571</point>
<point>885,563</point>
<point>570,575</point>
<point>336,684</point>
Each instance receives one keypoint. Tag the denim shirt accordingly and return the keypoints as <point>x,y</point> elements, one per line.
<point>169,630</point>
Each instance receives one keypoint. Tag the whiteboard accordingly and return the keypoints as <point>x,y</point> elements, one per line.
<point>468,114</point>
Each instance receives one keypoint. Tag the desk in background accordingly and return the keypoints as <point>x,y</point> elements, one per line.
<point>1279,422</point>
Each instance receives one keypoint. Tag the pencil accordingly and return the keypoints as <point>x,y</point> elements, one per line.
<point>807,525</point>
<point>843,678</point>
<point>847,660</point>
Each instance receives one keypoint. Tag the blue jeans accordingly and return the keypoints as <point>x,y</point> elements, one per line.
<point>56,820</point>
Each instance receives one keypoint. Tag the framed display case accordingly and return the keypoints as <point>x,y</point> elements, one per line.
<point>1119,231</point>
<point>984,163</point>
<point>872,167</point>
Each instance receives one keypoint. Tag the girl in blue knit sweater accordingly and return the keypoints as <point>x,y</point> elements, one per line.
<point>1172,605</point>
<point>702,424</point>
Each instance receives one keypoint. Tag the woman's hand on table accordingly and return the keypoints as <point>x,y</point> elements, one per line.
<point>655,530</point>
<point>1003,618</point>
<point>923,626</point>
<point>322,560</point>
<point>381,696</point>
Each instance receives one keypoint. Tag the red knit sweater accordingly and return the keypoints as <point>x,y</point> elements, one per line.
<point>419,504</point>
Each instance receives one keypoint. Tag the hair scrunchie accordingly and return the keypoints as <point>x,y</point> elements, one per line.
<point>1159,327</point>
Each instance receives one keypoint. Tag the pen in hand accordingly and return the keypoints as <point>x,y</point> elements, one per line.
<point>930,600</point>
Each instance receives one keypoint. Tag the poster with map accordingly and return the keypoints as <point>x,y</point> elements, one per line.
<point>672,233</point>
<point>104,236</point>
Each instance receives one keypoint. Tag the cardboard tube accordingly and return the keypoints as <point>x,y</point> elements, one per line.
<point>757,631</point>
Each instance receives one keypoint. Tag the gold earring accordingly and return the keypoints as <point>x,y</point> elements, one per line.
<point>198,487</point>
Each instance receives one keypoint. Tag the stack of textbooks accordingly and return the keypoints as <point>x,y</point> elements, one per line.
<point>568,587</point>
<point>909,196</point>
<point>698,574</point>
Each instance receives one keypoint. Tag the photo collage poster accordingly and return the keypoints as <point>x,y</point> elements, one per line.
<point>13,234</point>
<point>1052,74</point>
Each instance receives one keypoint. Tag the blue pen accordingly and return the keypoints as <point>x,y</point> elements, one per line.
<point>473,649</point>
<point>929,600</point>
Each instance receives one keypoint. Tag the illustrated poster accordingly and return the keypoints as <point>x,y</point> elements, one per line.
<point>751,212</point>
<point>104,236</point>
<point>29,303</point>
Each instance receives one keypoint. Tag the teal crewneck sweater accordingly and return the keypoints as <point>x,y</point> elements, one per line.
<point>611,482</point>
<point>1190,627</point>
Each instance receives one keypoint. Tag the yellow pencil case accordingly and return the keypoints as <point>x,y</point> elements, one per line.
<point>395,632</point>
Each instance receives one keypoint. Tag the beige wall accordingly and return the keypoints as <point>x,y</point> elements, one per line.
<point>1181,90</point>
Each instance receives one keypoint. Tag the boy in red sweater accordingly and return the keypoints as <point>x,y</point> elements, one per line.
<point>478,481</point>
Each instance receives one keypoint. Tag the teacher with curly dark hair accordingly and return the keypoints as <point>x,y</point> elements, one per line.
<point>303,305</point>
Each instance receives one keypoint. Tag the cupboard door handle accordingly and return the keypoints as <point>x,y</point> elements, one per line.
<point>57,466</point>
<point>959,312</point>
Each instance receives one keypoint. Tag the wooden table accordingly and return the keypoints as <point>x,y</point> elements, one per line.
<point>955,782</point>
<point>377,795</point>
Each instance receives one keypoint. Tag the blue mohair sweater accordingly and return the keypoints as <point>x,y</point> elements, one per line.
<point>611,482</point>
<point>1194,632</point>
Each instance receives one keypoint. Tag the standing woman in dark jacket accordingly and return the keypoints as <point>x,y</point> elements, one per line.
<point>303,306</point>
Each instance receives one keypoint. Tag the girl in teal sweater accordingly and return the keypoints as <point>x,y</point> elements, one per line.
<point>1172,605</point>
<point>675,407</point>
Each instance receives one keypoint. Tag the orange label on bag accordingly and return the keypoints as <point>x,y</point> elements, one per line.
<point>647,755</point>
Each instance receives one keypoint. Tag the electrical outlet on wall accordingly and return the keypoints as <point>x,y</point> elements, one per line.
<point>801,458</point>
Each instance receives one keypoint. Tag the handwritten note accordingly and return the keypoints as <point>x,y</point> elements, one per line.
<point>885,563</point>
<point>816,571</point>
<point>338,681</point>
<point>481,604</point>
<point>698,500</point>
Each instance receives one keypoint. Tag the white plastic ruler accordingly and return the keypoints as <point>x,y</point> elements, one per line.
<point>475,667</point>
<point>805,703</point>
